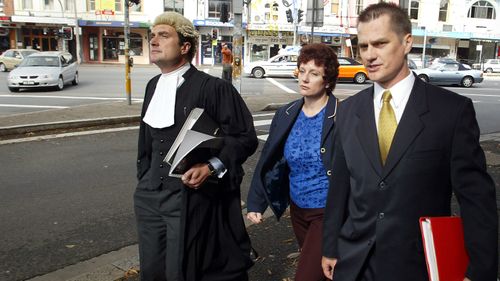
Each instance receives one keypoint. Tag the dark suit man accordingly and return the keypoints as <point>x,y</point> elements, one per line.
<point>402,147</point>
<point>190,229</point>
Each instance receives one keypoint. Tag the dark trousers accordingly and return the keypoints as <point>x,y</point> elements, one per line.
<point>158,227</point>
<point>227,72</point>
<point>308,227</point>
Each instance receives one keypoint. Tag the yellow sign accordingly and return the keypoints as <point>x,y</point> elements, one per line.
<point>214,42</point>
<point>106,6</point>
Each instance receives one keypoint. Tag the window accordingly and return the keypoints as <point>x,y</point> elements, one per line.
<point>335,7</point>
<point>118,5</point>
<point>414,10</point>
<point>49,4</point>
<point>90,5</point>
<point>482,10</point>
<point>359,6</point>
<point>174,6</point>
<point>443,10</point>
<point>28,4</point>
<point>1,6</point>
<point>69,5</point>
<point>215,6</point>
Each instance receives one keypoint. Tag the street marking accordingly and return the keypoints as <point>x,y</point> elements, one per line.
<point>480,95</point>
<point>263,114</point>
<point>32,106</point>
<point>263,137</point>
<point>262,122</point>
<point>65,97</point>
<point>281,86</point>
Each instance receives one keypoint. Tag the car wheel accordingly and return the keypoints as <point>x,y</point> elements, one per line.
<point>360,78</point>
<point>467,81</point>
<point>489,70</point>
<point>60,84</point>
<point>75,81</point>
<point>258,72</point>
<point>14,90</point>
<point>424,77</point>
<point>2,67</point>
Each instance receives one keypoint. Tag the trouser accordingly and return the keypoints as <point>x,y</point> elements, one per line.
<point>308,228</point>
<point>227,72</point>
<point>158,226</point>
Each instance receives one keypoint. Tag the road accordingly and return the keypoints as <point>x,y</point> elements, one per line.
<point>104,83</point>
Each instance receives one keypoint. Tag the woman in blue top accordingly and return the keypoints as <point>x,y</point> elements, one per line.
<point>294,167</point>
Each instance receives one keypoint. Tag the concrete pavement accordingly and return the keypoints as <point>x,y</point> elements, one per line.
<point>277,259</point>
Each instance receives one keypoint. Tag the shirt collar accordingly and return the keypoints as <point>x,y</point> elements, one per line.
<point>399,92</point>
<point>178,73</point>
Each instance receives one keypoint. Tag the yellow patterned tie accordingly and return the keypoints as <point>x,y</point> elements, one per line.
<point>386,126</point>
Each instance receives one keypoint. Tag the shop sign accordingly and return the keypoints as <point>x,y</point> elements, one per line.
<point>4,31</point>
<point>270,37</point>
<point>105,7</point>
<point>4,18</point>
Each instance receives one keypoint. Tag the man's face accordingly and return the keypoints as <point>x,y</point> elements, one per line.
<point>383,51</point>
<point>165,50</point>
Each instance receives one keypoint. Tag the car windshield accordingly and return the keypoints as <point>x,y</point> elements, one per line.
<point>41,61</point>
<point>27,53</point>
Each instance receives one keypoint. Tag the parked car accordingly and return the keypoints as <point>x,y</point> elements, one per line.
<point>411,64</point>
<point>489,66</point>
<point>13,57</point>
<point>44,69</point>
<point>417,59</point>
<point>352,70</point>
<point>279,65</point>
<point>450,74</point>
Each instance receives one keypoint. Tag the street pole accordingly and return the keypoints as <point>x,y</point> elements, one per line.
<point>62,13</point>
<point>237,43</point>
<point>313,21</point>
<point>423,50</point>
<point>77,34</point>
<point>127,55</point>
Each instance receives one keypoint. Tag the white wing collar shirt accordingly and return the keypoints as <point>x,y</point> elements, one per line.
<point>400,94</point>
<point>161,109</point>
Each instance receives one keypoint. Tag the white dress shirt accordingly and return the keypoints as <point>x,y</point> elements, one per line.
<point>400,94</point>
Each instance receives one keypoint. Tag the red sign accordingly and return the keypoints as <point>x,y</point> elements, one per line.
<point>4,18</point>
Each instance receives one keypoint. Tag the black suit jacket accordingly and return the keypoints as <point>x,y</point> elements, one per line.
<point>435,152</point>
<point>270,185</point>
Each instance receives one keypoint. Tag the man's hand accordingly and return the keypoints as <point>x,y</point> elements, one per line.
<point>466,279</point>
<point>328,265</point>
<point>196,176</point>
<point>254,217</point>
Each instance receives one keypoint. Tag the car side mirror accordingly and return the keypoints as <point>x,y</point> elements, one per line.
<point>18,57</point>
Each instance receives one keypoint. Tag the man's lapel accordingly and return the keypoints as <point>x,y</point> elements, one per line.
<point>331,111</point>
<point>366,130</point>
<point>409,126</point>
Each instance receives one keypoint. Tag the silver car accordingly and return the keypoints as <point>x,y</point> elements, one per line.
<point>44,69</point>
<point>450,74</point>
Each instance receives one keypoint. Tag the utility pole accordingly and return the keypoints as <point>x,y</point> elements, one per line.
<point>127,55</point>
<point>77,34</point>
<point>237,43</point>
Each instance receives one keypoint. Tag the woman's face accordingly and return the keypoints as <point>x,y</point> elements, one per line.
<point>311,79</point>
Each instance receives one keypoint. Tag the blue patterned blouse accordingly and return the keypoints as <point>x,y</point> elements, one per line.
<point>308,180</point>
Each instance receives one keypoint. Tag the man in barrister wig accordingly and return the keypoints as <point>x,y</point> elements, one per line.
<point>190,228</point>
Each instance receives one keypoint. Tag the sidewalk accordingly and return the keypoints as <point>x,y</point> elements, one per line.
<point>274,241</point>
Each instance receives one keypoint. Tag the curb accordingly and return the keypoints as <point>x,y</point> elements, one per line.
<point>15,131</point>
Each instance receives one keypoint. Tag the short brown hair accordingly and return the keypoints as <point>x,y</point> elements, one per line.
<point>400,22</point>
<point>183,27</point>
<point>322,56</point>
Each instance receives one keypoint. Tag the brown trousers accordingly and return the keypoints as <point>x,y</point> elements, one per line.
<point>308,228</point>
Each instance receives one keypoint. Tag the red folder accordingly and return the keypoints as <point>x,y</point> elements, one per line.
<point>444,247</point>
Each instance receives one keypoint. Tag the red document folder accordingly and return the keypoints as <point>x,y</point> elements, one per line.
<point>444,248</point>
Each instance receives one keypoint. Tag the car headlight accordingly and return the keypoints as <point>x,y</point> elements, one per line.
<point>13,77</point>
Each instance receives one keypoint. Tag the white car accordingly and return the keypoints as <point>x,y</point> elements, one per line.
<point>44,69</point>
<point>279,65</point>
<point>489,66</point>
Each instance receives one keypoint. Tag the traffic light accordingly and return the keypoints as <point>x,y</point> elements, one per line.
<point>224,12</point>
<point>300,15</point>
<point>215,33</point>
<point>289,17</point>
<point>67,33</point>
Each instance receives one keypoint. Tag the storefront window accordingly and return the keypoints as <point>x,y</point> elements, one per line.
<point>259,52</point>
<point>114,45</point>
<point>42,39</point>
